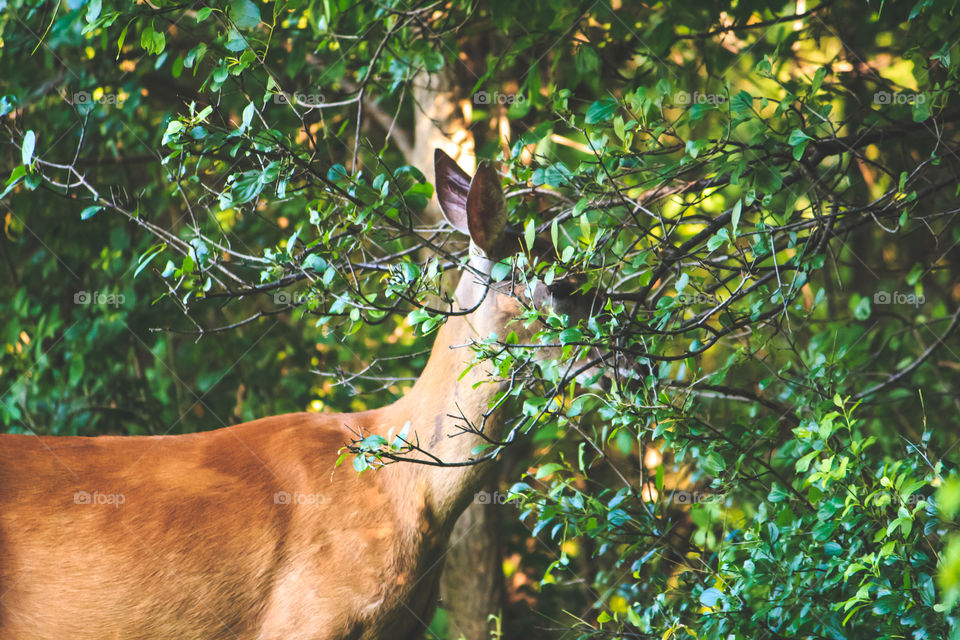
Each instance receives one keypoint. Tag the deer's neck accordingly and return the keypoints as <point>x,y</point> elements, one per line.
<point>445,404</point>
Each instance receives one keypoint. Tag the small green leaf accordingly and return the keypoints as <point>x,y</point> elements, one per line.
<point>547,470</point>
<point>716,241</point>
<point>29,144</point>
<point>832,548</point>
<point>818,80</point>
<point>710,596</point>
<point>796,137</point>
<point>803,464</point>
<point>601,111</point>
<point>93,10</point>
<point>714,464</point>
<point>89,212</point>
<point>735,216</point>
<point>499,271</point>
<point>915,274</point>
<point>248,115</point>
<point>360,463</point>
<point>244,13</point>
<point>862,310</point>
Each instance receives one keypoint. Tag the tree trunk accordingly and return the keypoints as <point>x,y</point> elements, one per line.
<point>471,587</point>
<point>472,583</point>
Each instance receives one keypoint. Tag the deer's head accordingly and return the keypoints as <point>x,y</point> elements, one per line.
<point>477,207</point>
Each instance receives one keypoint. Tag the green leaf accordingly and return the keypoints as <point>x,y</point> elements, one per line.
<point>710,596</point>
<point>499,271</point>
<point>742,103</point>
<point>601,111</point>
<point>432,60</point>
<point>555,175</point>
<point>89,212</point>
<point>247,187</point>
<point>718,240</point>
<point>714,464</point>
<point>862,310</point>
<point>548,469</point>
<point>818,77</point>
<point>530,234</point>
<point>148,257</point>
<point>735,217</point>
<point>18,172</point>
<point>121,39</point>
<point>915,274</point>
<point>248,112</point>
<point>797,136</point>
<point>694,147</point>
<point>152,41</point>
<point>803,464</point>
<point>29,143</point>
<point>244,14</point>
<point>823,531</point>
<point>93,10</point>
<point>778,493</point>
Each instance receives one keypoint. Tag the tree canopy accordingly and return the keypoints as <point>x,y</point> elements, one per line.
<point>215,211</point>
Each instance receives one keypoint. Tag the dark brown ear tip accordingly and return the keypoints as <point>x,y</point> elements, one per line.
<point>488,179</point>
<point>489,173</point>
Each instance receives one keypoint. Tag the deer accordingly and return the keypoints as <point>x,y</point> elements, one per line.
<point>252,531</point>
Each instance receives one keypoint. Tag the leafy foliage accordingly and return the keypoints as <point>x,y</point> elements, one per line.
<point>759,198</point>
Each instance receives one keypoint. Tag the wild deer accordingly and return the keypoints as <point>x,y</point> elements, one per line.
<point>251,532</point>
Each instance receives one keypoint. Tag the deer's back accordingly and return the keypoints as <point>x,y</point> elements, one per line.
<point>244,532</point>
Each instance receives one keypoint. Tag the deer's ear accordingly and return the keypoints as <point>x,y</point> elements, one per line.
<point>453,185</point>
<point>487,213</point>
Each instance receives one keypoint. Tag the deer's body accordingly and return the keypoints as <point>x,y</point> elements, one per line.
<point>168,562</point>
<point>188,536</point>
<point>201,546</point>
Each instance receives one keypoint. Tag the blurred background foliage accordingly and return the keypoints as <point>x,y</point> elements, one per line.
<point>218,211</point>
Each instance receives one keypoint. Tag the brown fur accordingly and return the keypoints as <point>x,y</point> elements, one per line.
<point>200,548</point>
<point>195,543</point>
